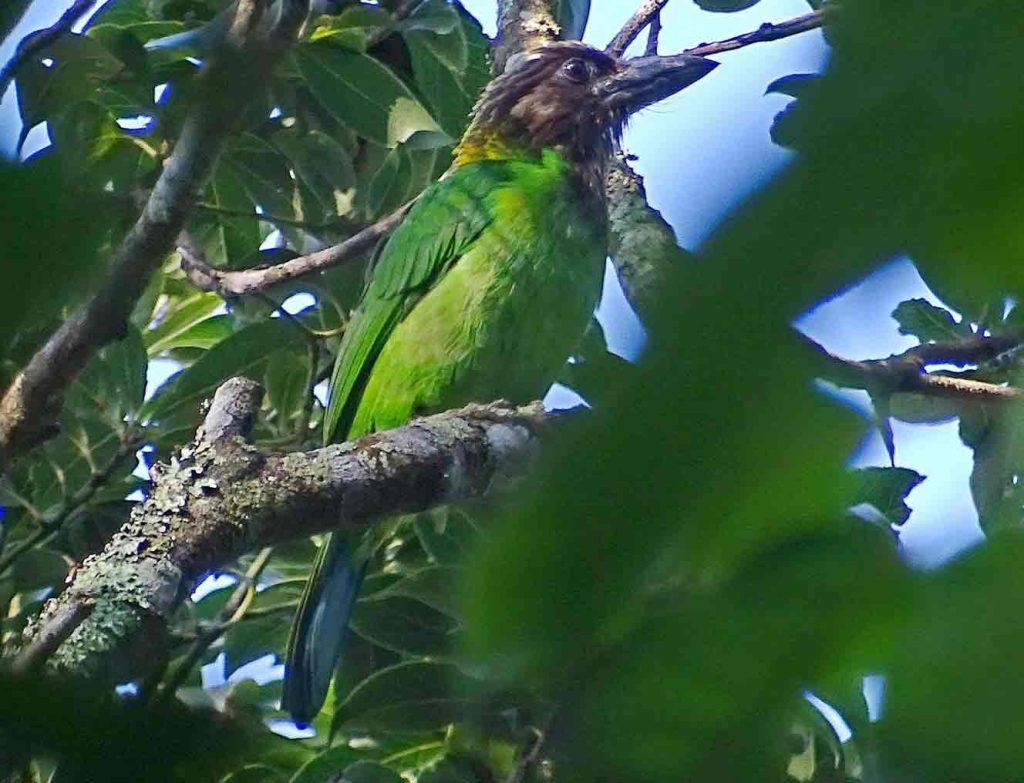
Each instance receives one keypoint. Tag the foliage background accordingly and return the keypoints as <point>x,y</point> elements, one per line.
<point>655,614</point>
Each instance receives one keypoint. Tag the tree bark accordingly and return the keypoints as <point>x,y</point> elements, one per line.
<point>220,497</point>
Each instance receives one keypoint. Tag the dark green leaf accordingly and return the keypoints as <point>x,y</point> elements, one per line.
<point>37,569</point>
<point>725,5</point>
<point>404,625</point>
<point>417,696</point>
<point>240,354</point>
<point>433,586</point>
<point>929,323</point>
<point>370,772</point>
<point>357,89</point>
<point>886,489</point>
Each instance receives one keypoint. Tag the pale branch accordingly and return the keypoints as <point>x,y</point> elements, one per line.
<point>907,373</point>
<point>37,42</point>
<point>31,403</point>
<point>646,14</point>
<point>522,24</point>
<point>767,32</point>
<point>229,283</point>
<point>220,497</point>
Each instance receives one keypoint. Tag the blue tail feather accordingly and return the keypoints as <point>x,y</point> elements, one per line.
<point>321,627</point>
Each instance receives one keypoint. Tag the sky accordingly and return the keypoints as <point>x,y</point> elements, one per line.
<point>701,153</point>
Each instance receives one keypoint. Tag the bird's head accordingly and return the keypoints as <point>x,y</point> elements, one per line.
<point>572,98</point>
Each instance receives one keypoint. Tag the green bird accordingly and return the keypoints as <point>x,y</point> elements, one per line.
<point>484,289</point>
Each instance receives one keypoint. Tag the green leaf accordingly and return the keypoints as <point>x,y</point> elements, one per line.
<point>446,535</point>
<point>403,625</point>
<point>433,586</point>
<point>285,380</point>
<point>325,178</point>
<point>37,569</point>
<point>243,353</point>
<point>928,323</point>
<point>263,173</point>
<point>113,385</point>
<point>437,26</point>
<point>354,87</point>
<point>353,27</point>
<point>251,639</point>
<point>182,316</point>
<point>323,766</point>
<point>415,696</point>
<point>951,698</point>
<point>725,6</point>
<point>233,234</point>
<point>451,94</point>
<point>370,772</point>
<point>794,85</point>
<point>78,64</point>
<point>886,489</point>
<point>572,18</point>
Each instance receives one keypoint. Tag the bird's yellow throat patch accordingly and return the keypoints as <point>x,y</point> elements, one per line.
<point>486,145</point>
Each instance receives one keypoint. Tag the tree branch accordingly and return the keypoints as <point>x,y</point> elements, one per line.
<point>764,33</point>
<point>641,243</point>
<point>228,82</point>
<point>906,373</point>
<point>247,281</point>
<point>522,24</point>
<point>220,497</point>
<point>643,16</point>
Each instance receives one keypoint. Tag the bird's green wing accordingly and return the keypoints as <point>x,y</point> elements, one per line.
<point>438,230</point>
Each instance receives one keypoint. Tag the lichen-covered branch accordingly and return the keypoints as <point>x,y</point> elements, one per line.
<point>29,406</point>
<point>522,24</point>
<point>642,244</point>
<point>220,497</point>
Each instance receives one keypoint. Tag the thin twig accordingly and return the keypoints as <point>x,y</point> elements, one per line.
<point>232,612</point>
<point>906,373</point>
<point>38,41</point>
<point>529,757</point>
<point>247,281</point>
<point>642,16</point>
<point>653,36</point>
<point>50,637</point>
<point>764,33</point>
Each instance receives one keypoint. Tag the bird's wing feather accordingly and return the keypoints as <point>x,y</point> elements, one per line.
<point>437,232</point>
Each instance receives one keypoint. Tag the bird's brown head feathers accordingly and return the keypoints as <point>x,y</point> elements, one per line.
<point>569,97</point>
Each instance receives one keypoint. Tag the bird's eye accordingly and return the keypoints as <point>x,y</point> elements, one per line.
<point>576,70</point>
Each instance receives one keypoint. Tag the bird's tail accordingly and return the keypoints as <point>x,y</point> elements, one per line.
<point>321,626</point>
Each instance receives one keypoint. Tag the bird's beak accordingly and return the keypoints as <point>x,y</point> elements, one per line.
<point>646,80</point>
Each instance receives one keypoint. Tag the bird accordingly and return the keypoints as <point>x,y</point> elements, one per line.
<point>484,290</point>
